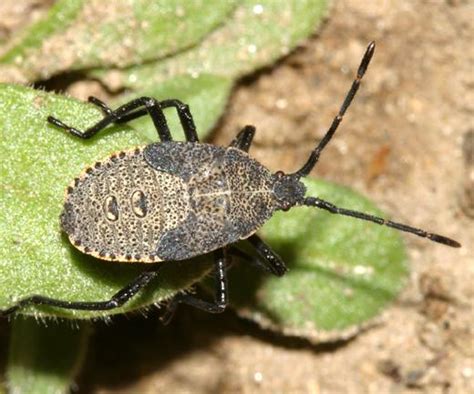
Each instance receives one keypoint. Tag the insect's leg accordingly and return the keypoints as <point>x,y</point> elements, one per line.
<point>244,138</point>
<point>128,111</point>
<point>247,258</point>
<point>220,298</point>
<point>99,103</point>
<point>117,300</point>
<point>118,118</point>
<point>273,262</point>
<point>185,116</point>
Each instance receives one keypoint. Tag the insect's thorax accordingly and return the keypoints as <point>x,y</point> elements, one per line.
<point>230,196</point>
<point>166,201</point>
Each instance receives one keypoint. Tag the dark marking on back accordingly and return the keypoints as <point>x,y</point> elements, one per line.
<point>183,159</point>
<point>111,208</point>
<point>139,204</point>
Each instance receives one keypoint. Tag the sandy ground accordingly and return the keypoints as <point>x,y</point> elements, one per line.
<point>407,143</point>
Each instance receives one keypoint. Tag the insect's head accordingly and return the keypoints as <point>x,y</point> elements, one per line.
<point>288,190</point>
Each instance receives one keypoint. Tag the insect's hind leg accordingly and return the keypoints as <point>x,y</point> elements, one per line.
<point>244,138</point>
<point>131,109</point>
<point>184,113</point>
<point>220,297</point>
<point>117,300</point>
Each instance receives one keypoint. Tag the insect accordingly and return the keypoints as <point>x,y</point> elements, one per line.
<point>170,201</point>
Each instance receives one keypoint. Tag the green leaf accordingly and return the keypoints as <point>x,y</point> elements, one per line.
<point>258,33</point>
<point>38,162</point>
<point>61,13</point>
<point>45,359</point>
<point>80,34</point>
<point>342,271</point>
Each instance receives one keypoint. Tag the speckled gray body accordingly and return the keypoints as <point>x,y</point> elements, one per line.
<point>167,201</point>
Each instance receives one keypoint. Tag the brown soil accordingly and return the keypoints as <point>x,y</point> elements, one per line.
<point>407,143</point>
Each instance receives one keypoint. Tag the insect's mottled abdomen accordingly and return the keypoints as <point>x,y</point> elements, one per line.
<point>167,201</point>
<point>119,208</point>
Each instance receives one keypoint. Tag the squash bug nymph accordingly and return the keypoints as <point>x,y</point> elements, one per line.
<point>170,201</point>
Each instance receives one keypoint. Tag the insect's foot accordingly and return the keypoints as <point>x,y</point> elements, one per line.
<point>71,130</point>
<point>57,123</point>
<point>100,104</point>
<point>280,270</point>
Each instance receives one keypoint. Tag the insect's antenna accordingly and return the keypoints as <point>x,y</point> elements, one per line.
<point>314,157</point>
<point>317,202</point>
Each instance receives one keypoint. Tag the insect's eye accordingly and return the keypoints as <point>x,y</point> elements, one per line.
<point>279,174</point>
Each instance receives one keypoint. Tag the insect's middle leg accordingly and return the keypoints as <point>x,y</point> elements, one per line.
<point>220,297</point>
<point>131,109</point>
